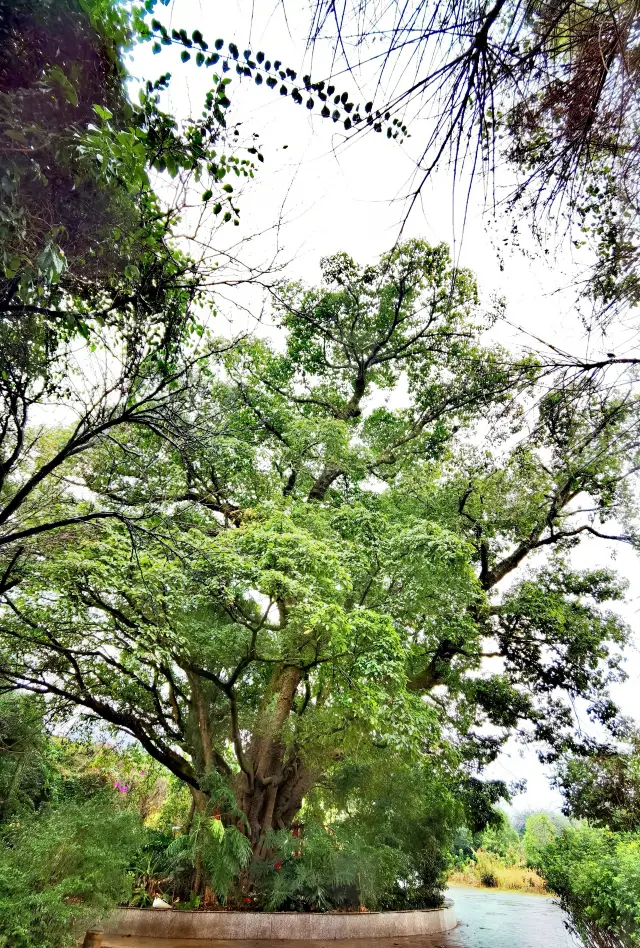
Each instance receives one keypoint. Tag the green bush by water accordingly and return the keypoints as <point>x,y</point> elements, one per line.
<point>596,874</point>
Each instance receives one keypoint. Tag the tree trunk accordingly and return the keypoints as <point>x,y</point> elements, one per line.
<point>274,780</point>
<point>200,803</point>
<point>276,805</point>
<point>272,794</point>
<point>197,876</point>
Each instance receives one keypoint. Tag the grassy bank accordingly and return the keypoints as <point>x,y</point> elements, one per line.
<point>489,872</point>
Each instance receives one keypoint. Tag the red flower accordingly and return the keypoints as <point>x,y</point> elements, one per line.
<point>277,865</point>
<point>247,899</point>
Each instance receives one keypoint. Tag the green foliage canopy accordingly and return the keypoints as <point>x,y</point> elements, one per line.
<point>316,570</point>
<point>539,833</point>
<point>99,301</point>
<point>604,787</point>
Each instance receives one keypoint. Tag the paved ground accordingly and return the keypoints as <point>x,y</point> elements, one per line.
<point>432,941</point>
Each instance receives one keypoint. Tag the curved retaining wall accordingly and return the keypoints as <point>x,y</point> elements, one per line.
<point>160,923</point>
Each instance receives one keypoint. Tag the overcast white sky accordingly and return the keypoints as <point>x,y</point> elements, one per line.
<point>337,195</point>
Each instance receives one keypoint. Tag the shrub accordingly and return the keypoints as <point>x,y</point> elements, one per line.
<point>490,870</point>
<point>487,866</point>
<point>393,827</point>
<point>328,870</point>
<point>62,867</point>
<point>596,874</point>
<point>209,853</point>
<point>25,771</point>
<point>539,832</point>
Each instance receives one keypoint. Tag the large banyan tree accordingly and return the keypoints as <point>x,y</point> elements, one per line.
<point>345,550</point>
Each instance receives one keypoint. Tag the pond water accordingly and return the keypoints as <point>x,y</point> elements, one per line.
<point>486,919</point>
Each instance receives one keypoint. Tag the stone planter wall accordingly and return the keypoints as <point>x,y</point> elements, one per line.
<point>160,923</point>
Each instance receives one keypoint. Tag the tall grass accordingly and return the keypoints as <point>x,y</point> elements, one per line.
<point>488,871</point>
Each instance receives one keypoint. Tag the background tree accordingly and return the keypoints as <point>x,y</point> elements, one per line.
<point>501,839</point>
<point>539,833</point>
<point>604,788</point>
<point>100,302</point>
<point>553,88</point>
<point>316,572</point>
<point>520,817</point>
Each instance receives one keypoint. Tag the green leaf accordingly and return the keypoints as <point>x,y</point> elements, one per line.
<point>103,112</point>
<point>68,90</point>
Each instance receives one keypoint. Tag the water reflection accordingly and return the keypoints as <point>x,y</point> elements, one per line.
<point>505,920</point>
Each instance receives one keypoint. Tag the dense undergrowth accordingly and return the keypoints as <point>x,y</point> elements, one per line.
<point>499,857</point>
<point>489,871</point>
<point>596,874</point>
<point>86,826</point>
